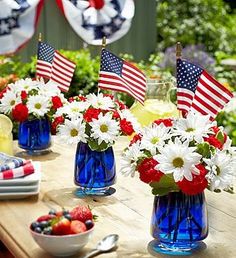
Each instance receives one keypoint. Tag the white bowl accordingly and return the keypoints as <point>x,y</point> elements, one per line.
<point>65,245</point>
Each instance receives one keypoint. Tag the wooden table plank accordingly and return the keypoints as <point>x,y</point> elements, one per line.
<point>127,212</point>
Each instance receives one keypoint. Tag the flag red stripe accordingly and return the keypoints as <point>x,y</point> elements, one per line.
<point>138,72</point>
<point>56,79</point>
<point>133,76</point>
<point>64,60</point>
<point>56,75</point>
<point>197,108</point>
<point>62,66</point>
<point>184,103</point>
<point>205,104</point>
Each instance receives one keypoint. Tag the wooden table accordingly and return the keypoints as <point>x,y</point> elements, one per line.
<point>127,212</point>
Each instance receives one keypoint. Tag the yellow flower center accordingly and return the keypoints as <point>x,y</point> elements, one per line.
<point>74,132</point>
<point>190,130</point>
<point>178,162</point>
<point>155,140</point>
<point>37,105</point>
<point>104,128</point>
<point>217,170</point>
<point>13,102</point>
<point>75,110</point>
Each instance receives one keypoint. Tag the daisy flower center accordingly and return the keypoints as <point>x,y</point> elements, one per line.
<point>12,103</point>
<point>26,87</point>
<point>37,105</point>
<point>155,140</point>
<point>104,128</point>
<point>217,170</point>
<point>74,132</point>
<point>178,162</point>
<point>75,110</point>
<point>190,130</point>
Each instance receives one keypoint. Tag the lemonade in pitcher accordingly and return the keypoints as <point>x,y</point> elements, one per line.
<point>157,103</point>
<point>6,139</point>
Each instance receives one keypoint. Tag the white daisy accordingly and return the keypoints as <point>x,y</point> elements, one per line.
<point>99,101</point>
<point>194,127</point>
<point>130,158</point>
<point>72,131</point>
<point>153,136</point>
<point>49,89</point>
<point>221,168</point>
<point>38,105</point>
<point>74,109</point>
<point>178,158</point>
<point>8,101</point>
<point>24,84</point>
<point>104,128</point>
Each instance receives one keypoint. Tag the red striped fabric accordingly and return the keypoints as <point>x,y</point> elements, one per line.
<point>62,71</point>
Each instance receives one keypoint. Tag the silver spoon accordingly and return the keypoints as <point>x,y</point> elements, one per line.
<point>105,245</point>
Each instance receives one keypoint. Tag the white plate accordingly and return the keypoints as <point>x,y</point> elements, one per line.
<point>18,188</point>
<point>28,180</point>
<point>14,195</point>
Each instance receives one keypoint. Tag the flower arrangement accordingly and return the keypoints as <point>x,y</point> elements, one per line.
<point>94,119</point>
<point>27,99</point>
<point>186,154</point>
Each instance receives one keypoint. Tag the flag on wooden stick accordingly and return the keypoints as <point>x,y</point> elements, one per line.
<point>119,75</point>
<point>53,65</point>
<point>199,91</point>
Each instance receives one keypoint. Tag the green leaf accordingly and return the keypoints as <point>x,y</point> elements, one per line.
<point>93,144</point>
<point>220,136</point>
<point>204,149</point>
<point>165,185</point>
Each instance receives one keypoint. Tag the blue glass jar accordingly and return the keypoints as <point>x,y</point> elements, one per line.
<point>179,223</point>
<point>95,171</point>
<point>34,136</point>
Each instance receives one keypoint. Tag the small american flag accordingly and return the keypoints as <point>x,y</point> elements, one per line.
<point>53,65</point>
<point>62,71</point>
<point>119,75</point>
<point>198,91</point>
<point>44,61</point>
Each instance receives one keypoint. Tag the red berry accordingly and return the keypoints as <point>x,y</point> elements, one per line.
<point>81,213</point>
<point>62,227</point>
<point>46,217</point>
<point>77,226</point>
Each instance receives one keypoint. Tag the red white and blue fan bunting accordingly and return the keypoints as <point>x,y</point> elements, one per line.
<point>18,19</point>
<point>94,19</point>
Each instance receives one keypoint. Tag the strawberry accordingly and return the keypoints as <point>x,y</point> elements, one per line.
<point>46,217</point>
<point>61,226</point>
<point>81,213</point>
<point>77,226</point>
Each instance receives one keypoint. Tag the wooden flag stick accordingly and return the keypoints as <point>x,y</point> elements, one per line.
<point>178,50</point>
<point>104,42</point>
<point>40,37</point>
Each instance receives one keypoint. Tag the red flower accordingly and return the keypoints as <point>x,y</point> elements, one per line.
<point>120,104</point>
<point>91,113</point>
<point>115,115</point>
<point>109,96</point>
<point>20,112</point>
<point>71,99</point>
<point>168,122</point>
<point>58,120</point>
<point>214,142</point>
<point>23,95</point>
<point>56,102</point>
<point>197,185</point>
<point>136,138</point>
<point>2,92</point>
<point>126,127</point>
<point>147,171</point>
<point>82,98</point>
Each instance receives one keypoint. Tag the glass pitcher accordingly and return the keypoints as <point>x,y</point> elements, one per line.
<point>157,103</point>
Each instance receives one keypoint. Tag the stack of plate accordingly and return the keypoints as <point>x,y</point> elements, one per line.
<point>21,187</point>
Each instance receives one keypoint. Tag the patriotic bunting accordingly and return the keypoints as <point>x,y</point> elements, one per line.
<point>18,20</point>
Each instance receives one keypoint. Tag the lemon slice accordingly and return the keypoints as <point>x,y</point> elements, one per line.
<point>5,125</point>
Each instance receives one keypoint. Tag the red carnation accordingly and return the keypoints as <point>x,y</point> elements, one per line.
<point>58,120</point>
<point>82,98</point>
<point>126,127</point>
<point>168,122</point>
<point>91,113</point>
<point>147,171</point>
<point>56,102</point>
<point>115,114</point>
<point>3,92</point>
<point>71,99</point>
<point>20,112</point>
<point>136,138</point>
<point>109,96</point>
<point>120,104</point>
<point>214,142</point>
<point>197,185</point>
<point>23,95</point>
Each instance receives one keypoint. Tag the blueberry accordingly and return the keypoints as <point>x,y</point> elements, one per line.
<point>38,230</point>
<point>52,212</point>
<point>68,216</point>
<point>47,231</point>
<point>34,225</point>
<point>44,224</point>
<point>89,224</point>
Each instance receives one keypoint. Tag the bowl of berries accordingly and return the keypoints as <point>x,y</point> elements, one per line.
<point>63,233</point>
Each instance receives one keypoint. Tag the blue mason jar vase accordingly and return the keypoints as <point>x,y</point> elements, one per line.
<point>34,136</point>
<point>179,223</point>
<point>95,171</point>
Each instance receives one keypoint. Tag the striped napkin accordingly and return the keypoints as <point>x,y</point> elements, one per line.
<point>12,167</point>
